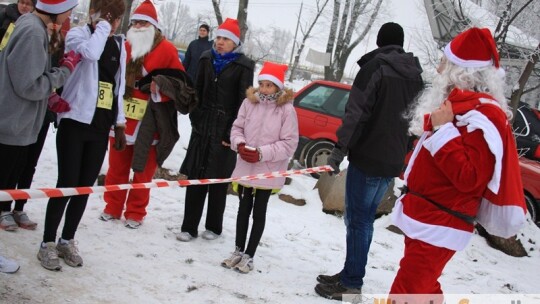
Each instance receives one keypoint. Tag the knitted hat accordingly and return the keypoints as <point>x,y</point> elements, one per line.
<point>56,6</point>
<point>473,48</point>
<point>390,34</point>
<point>273,72</point>
<point>146,12</point>
<point>229,29</point>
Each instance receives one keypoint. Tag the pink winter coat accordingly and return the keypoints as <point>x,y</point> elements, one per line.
<point>273,128</point>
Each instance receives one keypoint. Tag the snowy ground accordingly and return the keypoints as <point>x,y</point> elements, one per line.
<point>149,265</point>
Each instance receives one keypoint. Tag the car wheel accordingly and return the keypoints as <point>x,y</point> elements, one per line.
<point>317,154</point>
<point>531,208</point>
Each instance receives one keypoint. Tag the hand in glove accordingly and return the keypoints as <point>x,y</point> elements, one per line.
<point>57,105</point>
<point>119,138</point>
<point>70,60</point>
<point>335,159</point>
<point>249,155</point>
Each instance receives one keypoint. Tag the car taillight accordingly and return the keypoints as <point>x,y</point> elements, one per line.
<point>537,152</point>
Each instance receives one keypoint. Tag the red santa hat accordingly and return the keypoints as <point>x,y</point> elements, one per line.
<point>229,29</point>
<point>146,12</point>
<point>56,6</point>
<point>273,72</point>
<point>473,48</point>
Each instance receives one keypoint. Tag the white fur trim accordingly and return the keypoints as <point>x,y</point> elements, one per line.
<point>490,216</point>
<point>146,18</point>
<point>417,149</point>
<point>446,133</point>
<point>440,236</point>
<point>474,120</point>
<point>228,34</point>
<point>57,8</point>
<point>271,78</point>
<point>465,63</point>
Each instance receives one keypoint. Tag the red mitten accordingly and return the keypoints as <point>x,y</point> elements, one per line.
<point>57,105</point>
<point>251,155</point>
<point>70,60</point>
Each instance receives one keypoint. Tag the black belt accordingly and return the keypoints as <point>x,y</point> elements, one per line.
<point>467,218</point>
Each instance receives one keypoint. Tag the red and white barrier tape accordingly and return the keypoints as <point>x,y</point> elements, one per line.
<point>8,195</point>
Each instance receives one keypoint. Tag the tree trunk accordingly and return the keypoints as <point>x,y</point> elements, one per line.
<point>516,94</point>
<point>127,15</point>
<point>219,17</point>
<point>306,36</point>
<point>329,70</point>
<point>242,18</point>
<point>341,45</point>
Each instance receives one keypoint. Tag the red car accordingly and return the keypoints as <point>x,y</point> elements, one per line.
<point>319,108</point>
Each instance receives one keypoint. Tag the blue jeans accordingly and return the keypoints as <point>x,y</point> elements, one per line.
<point>363,194</point>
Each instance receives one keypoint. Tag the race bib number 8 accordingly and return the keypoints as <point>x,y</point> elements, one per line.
<point>134,108</point>
<point>105,95</point>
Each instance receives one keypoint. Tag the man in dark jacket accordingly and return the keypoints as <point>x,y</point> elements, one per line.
<point>374,136</point>
<point>12,12</point>
<point>195,49</point>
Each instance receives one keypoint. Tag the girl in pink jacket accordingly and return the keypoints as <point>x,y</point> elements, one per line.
<point>265,135</point>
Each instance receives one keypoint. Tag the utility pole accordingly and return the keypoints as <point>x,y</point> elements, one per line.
<point>296,33</point>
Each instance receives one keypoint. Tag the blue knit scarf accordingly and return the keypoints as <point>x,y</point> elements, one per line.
<point>220,61</point>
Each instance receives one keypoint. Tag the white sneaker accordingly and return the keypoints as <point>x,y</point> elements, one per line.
<point>8,265</point>
<point>245,265</point>
<point>184,236</point>
<point>133,224</point>
<point>106,217</point>
<point>231,261</point>
<point>209,235</point>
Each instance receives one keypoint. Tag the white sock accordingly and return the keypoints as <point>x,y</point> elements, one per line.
<point>62,241</point>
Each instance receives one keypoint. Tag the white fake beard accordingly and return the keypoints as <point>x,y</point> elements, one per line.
<point>141,40</point>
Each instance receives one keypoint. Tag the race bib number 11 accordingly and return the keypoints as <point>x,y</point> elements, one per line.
<point>135,108</point>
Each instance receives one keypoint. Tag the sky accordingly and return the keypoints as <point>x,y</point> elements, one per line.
<point>149,265</point>
<point>284,13</point>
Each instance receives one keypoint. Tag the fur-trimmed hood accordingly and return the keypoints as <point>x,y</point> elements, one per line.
<point>286,97</point>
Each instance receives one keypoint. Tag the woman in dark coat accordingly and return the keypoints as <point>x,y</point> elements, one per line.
<point>223,77</point>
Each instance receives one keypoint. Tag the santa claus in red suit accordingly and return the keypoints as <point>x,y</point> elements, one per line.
<point>147,51</point>
<point>464,167</point>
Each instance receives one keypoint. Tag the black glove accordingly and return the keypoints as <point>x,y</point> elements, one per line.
<point>335,158</point>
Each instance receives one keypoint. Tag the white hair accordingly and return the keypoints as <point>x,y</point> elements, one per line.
<point>483,80</point>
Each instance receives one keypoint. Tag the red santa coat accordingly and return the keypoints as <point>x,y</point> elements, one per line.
<point>163,56</point>
<point>469,166</point>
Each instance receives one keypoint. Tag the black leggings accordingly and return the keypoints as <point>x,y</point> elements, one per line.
<point>194,206</point>
<point>81,151</point>
<point>258,203</point>
<point>12,161</point>
<point>34,151</point>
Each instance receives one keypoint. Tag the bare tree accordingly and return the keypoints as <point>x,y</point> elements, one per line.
<point>125,22</point>
<point>509,15</point>
<point>241,15</point>
<point>176,21</point>
<point>344,24</point>
<point>217,10</point>
<point>267,43</point>
<point>306,32</point>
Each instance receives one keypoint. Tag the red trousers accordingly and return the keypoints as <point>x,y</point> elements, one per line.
<point>419,271</point>
<point>118,173</point>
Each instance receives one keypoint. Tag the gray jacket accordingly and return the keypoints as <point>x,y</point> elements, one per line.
<point>26,81</point>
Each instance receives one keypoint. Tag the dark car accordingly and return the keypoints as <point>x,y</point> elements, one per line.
<point>527,130</point>
<point>320,106</point>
